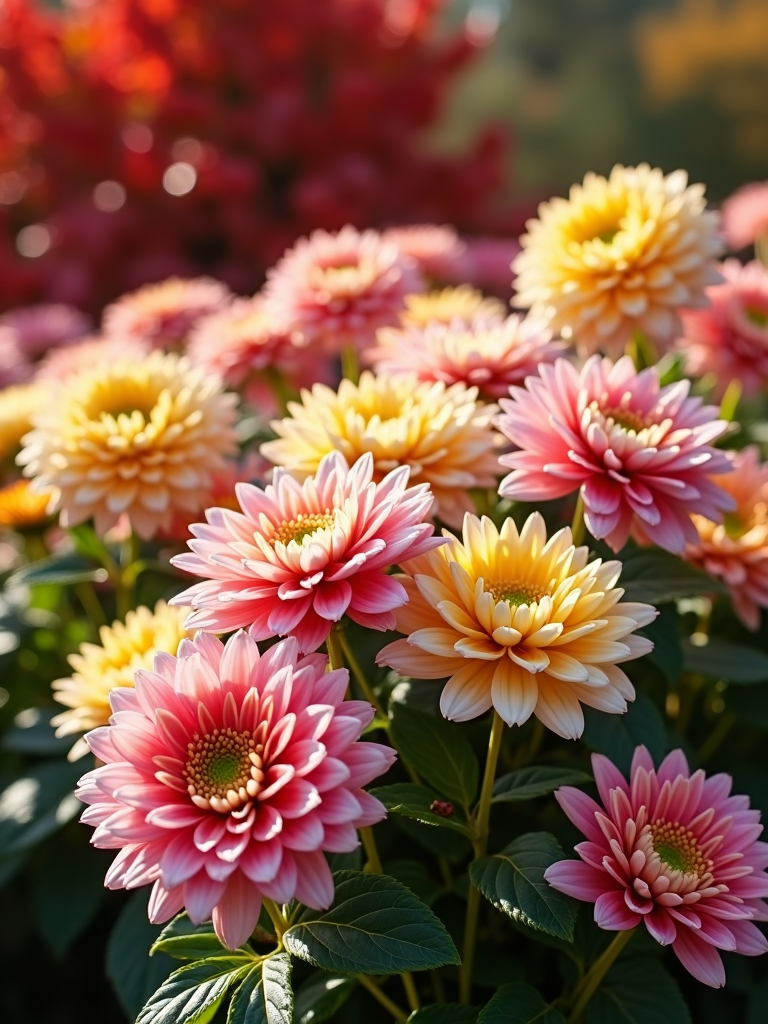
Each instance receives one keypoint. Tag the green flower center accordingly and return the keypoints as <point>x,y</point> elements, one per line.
<point>224,769</point>
<point>757,316</point>
<point>303,526</point>
<point>678,848</point>
<point>515,592</point>
<point>625,418</point>
<point>608,236</point>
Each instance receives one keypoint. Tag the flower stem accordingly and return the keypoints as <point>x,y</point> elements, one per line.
<point>350,367</point>
<point>389,1005</point>
<point>480,844</point>
<point>333,646</point>
<point>591,980</point>
<point>731,399</point>
<point>577,525</point>
<point>761,248</point>
<point>276,917</point>
<point>359,675</point>
<point>410,990</point>
<point>371,850</point>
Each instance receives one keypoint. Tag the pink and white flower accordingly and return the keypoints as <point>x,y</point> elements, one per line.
<point>163,315</point>
<point>745,214</point>
<point>639,454</point>
<point>672,850</point>
<point>435,248</point>
<point>227,774</point>
<point>302,555</point>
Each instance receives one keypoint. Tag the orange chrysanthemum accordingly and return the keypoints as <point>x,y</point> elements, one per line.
<point>22,508</point>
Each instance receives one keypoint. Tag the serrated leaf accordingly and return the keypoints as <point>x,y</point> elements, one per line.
<point>617,736</point>
<point>319,998</point>
<point>438,750</point>
<point>60,569</point>
<point>192,994</point>
<point>36,804</point>
<point>186,941</point>
<point>656,577</point>
<point>453,846</point>
<point>720,659</point>
<point>518,1003</point>
<point>513,881</point>
<point>638,991</point>
<point>265,996</point>
<point>415,876</point>
<point>375,926</point>
<point>134,975</point>
<point>415,802</point>
<point>527,783</point>
<point>444,1013</point>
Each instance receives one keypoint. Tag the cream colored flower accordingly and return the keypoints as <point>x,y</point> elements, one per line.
<point>620,255</point>
<point>99,669</point>
<point>443,434</point>
<point>140,438</point>
<point>463,303</point>
<point>17,406</point>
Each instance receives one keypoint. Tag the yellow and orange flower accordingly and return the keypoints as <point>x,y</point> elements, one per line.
<point>462,303</point>
<point>21,508</point>
<point>17,406</point>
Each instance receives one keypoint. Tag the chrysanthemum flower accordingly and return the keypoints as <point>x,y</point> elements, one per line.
<point>639,454</point>
<point>435,248</point>
<point>729,339</point>
<point>442,434</point>
<point>227,775</point>
<point>301,556</point>
<point>21,508</point>
<point>520,623</point>
<point>487,263</point>
<point>673,851</point>
<point>164,314</point>
<point>462,303</point>
<point>90,354</point>
<point>18,404</point>
<point>99,669</point>
<point>140,438</point>
<point>745,214</point>
<point>34,330</point>
<point>335,290</point>
<point>488,354</point>
<point>618,256</point>
<point>736,551</point>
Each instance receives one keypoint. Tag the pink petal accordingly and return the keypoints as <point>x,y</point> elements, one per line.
<point>700,958</point>
<point>613,914</point>
<point>314,882</point>
<point>237,911</point>
<point>582,881</point>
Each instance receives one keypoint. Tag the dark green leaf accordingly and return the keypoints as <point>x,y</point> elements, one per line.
<point>720,659</point>
<point>67,893</point>
<point>513,880</point>
<point>319,998</point>
<point>86,541</point>
<point>757,1008</point>
<point>414,875</point>
<point>266,996</point>
<point>438,750</point>
<point>518,1003</point>
<point>444,1013</point>
<point>186,941</point>
<point>36,804</point>
<point>638,991</point>
<point>453,846</point>
<point>60,569</point>
<point>656,577</point>
<point>32,733</point>
<point>415,802</point>
<point>527,783</point>
<point>375,926</point>
<point>193,993</point>
<point>750,704</point>
<point>667,653</point>
<point>134,975</point>
<point>616,736</point>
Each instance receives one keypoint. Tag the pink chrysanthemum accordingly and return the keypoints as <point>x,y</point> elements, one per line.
<point>71,360</point>
<point>26,334</point>
<point>745,214</point>
<point>226,776</point>
<point>300,556</point>
<point>487,263</point>
<point>729,339</point>
<point>639,454</point>
<point>164,314</point>
<point>485,353</point>
<point>674,851</point>
<point>335,290</point>
<point>435,248</point>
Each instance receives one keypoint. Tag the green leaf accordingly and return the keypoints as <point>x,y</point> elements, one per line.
<point>749,704</point>
<point>86,541</point>
<point>67,893</point>
<point>638,991</point>
<point>60,569</point>
<point>32,733</point>
<point>444,1013</point>
<point>415,802</point>
<point>438,750</point>
<point>518,1003</point>
<point>375,926</point>
<point>664,632</point>
<point>319,998</point>
<point>656,577</point>
<point>616,736</point>
<point>527,783</point>
<point>193,993</point>
<point>186,941</point>
<point>720,659</point>
<point>513,880</point>
<point>415,876</point>
<point>134,975</point>
<point>453,846</point>
<point>37,803</point>
<point>266,996</point>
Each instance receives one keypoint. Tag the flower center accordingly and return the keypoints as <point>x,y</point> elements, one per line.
<point>678,848</point>
<point>624,418</point>
<point>608,236</point>
<point>303,526</point>
<point>757,316</point>
<point>515,592</point>
<point>734,527</point>
<point>224,769</point>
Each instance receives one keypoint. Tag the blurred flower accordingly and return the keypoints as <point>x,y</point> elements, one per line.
<point>745,214</point>
<point>461,303</point>
<point>442,434</point>
<point>736,551</point>
<point>300,557</point>
<point>141,438</point>
<point>95,352</point>
<point>639,454</point>
<point>98,670</point>
<point>490,354</point>
<point>673,851</point>
<point>486,263</point>
<point>335,290</point>
<point>519,623</point>
<point>618,256</point>
<point>18,404</point>
<point>163,315</point>
<point>33,330</point>
<point>227,775</point>
<point>434,248</point>
<point>729,339</point>
<point>22,508</point>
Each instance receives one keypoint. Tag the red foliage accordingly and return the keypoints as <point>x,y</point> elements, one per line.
<point>294,114</point>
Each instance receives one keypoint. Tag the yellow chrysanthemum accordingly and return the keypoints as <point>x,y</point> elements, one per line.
<point>618,256</point>
<point>142,438</point>
<point>17,406</point>
<point>21,507</point>
<point>463,303</point>
<point>442,433</point>
<point>125,648</point>
<point>519,623</point>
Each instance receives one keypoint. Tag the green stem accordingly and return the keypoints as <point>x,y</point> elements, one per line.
<point>731,398</point>
<point>577,525</point>
<point>333,646</point>
<point>381,997</point>
<point>761,248</point>
<point>410,991</point>
<point>359,675</point>
<point>350,367</point>
<point>91,604</point>
<point>276,917</point>
<point>371,850</point>
<point>724,725</point>
<point>480,844</point>
<point>591,980</point>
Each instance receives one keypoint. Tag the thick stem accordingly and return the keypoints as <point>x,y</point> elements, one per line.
<point>389,1005</point>
<point>731,399</point>
<point>410,991</point>
<point>577,525</point>
<point>350,367</point>
<point>371,850</point>
<point>333,646</point>
<point>480,844</point>
<point>276,917</point>
<point>591,980</point>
